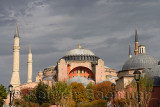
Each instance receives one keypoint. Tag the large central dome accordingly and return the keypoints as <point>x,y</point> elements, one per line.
<point>79,51</point>
<point>80,54</point>
<point>140,61</point>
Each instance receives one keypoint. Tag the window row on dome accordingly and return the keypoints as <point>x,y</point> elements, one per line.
<point>81,57</point>
<point>88,77</point>
<point>79,71</point>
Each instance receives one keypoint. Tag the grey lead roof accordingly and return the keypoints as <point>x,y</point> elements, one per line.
<point>140,61</point>
<point>79,51</point>
<point>154,73</point>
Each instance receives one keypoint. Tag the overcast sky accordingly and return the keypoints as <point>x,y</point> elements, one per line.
<point>53,27</point>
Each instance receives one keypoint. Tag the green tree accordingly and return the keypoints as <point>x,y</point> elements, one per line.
<point>89,92</point>
<point>60,93</point>
<point>146,86</point>
<point>3,94</point>
<point>78,92</point>
<point>41,93</point>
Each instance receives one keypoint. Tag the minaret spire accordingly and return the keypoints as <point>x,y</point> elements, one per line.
<point>136,35</point>
<point>136,43</point>
<point>130,53</point>
<point>17,32</point>
<point>29,65</point>
<point>15,80</point>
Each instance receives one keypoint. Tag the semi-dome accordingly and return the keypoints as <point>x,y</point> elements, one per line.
<point>79,51</point>
<point>140,61</point>
<point>79,79</point>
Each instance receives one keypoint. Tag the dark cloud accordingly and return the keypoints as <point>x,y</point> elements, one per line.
<point>53,27</point>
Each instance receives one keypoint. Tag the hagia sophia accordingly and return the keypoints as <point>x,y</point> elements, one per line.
<point>77,65</point>
<point>82,65</point>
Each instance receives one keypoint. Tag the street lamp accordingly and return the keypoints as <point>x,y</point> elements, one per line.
<point>113,88</point>
<point>137,74</point>
<point>10,87</point>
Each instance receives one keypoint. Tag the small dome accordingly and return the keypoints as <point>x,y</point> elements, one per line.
<point>140,61</point>
<point>110,80</point>
<point>79,51</point>
<point>79,79</point>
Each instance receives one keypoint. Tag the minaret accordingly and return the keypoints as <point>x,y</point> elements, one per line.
<point>15,80</point>
<point>136,43</point>
<point>130,53</point>
<point>29,66</point>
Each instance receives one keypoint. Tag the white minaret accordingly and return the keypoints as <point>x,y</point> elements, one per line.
<point>15,80</point>
<point>29,66</point>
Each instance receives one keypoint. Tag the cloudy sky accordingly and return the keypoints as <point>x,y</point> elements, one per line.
<point>53,27</point>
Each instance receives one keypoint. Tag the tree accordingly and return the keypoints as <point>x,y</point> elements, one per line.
<point>60,94</point>
<point>146,86</point>
<point>41,93</point>
<point>103,91</point>
<point>3,94</point>
<point>78,92</point>
<point>28,94</point>
<point>89,92</point>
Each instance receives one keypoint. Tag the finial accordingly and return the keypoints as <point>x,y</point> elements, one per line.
<point>136,27</point>
<point>80,46</point>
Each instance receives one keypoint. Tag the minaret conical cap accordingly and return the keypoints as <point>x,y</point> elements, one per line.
<point>17,32</point>
<point>136,35</point>
<point>130,53</point>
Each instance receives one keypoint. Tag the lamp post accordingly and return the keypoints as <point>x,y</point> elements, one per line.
<point>10,87</point>
<point>137,78</point>
<point>113,88</point>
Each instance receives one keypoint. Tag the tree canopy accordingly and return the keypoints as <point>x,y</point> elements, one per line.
<point>78,92</point>
<point>103,90</point>
<point>41,93</point>
<point>58,92</point>
<point>3,93</point>
<point>89,92</point>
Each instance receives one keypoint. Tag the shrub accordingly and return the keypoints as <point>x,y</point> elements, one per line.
<point>95,103</point>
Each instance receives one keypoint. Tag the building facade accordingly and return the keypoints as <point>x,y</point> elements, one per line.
<point>79,62</point>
